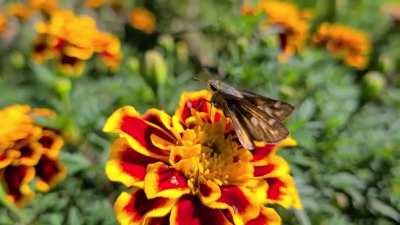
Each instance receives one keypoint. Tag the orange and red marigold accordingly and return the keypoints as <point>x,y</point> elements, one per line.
<point>72,40</point>
<point>191,169</point>
<point>350,44</point>
<point>28,153</point>
<point>291,22</point>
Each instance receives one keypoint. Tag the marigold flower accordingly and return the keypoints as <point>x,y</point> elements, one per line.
<point>94,3</point>
<point>28,152</point>
<point>291,22</point>
<point>191,169</point>
<point>21,11</point>
<point>143,20</point>
<point>46,6</point>
<point>350,44</point>
<point>73,40</point>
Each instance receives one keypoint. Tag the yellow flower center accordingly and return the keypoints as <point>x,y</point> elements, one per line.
<point>207,153</point>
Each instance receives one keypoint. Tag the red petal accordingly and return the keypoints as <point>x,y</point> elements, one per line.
<point>49,173</point>
<point>147,138</point>
<point>159,221</point>
<point>16,180</point>
<point>134,208</point>
<point>193,101</point>
<point>234,197</point>
<point>141,132</point>
<point>274,189</point>
<point>126,165</point>
<point>262,170</point>
<point>164,181</point>
<point>262,152</point>
<point>267,216</point>
<point>189,210</point>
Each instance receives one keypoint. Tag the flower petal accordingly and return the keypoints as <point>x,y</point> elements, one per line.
<point>209,192</point>
<point>239,202</point>
<point>16,180</point>
<point>267,216</point>
<point>282,190</point>
<point>190,102</point>
<point>164,181</point>
<point>126,165</point>
<point>132,209</point>
<point>49,172</point>
<point>30,154</point>
<point>274,166</point>
<point>158,221</point>
<point>189,210</point>
<point>51,142</point>
<point>260,152</point>
<point>127,122</point>
<point>7,157</point>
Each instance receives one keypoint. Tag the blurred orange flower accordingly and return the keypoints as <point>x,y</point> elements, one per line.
<point>28,151</point>
<point>94,3</point>
<point>291,23</point>
<point>46,6</point>
<point>191,169</point>
<point>142,19</point>
<point>21,11</point>
<point>350,44</point>
<point>73,40</point>
<point>3,23</point>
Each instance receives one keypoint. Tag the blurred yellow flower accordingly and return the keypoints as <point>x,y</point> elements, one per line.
<point>46,6</point>
<point>142,19</point>
<point>189,168</point>
<point>350,44</point>
<point>21,11</point>
<point>28,152</point>
<point>72,40</point>
<point>292,24</point>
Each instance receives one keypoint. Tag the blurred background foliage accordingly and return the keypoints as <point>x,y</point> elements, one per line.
<point>347,121</point>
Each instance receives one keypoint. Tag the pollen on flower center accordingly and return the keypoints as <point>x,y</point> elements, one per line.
<point>209,154</point>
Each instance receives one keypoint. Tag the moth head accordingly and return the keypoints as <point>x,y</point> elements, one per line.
<point>214,85</point>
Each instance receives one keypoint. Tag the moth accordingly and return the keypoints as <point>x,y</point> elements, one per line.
<point>254,117</point>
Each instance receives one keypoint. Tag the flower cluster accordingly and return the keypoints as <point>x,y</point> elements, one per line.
<point>348,43</point>
<point>143,20</point>
<point>28,152</point>
<point>191,169</point>
<point>72,40</point>
<point>291,23</point>
<point>26,10</point>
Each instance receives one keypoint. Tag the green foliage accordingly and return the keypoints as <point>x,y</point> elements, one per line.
<point>347,123</point>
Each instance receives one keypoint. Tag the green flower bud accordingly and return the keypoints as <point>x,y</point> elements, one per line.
<point>182,52</point>
<point>166,41</point>
<point>373,84</point>
<point>17,60</point>
<point>133,64</point>
<point>63,86</point>
<point>156,67</point>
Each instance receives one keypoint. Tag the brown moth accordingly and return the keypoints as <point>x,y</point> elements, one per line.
<point>254,117</point>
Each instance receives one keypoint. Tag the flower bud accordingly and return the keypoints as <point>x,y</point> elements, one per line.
<point>156,67</point>
<point>167,42</point>
<point>17,60</point>
<point>133,64</point>
<point>373,84</point>
<point>182,52</point>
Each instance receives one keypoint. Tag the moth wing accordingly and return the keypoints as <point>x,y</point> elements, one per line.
<point>237,121</point>
<point>272,107</point>
<point>260,125</point>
